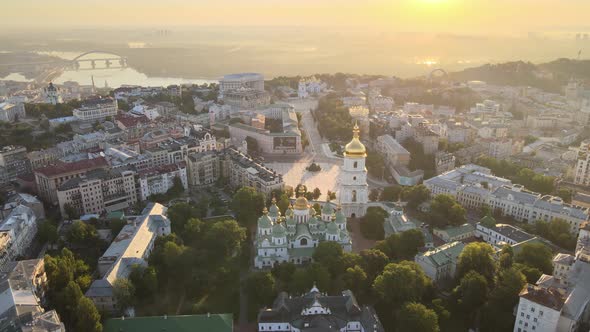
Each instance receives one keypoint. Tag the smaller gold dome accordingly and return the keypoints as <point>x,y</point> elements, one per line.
<point>355,149</point>
<point>301,203</point>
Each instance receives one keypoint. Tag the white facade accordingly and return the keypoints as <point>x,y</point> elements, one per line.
<point>10,112</point>
<point>96,109</point>
<point>354,190</point>
<point>16,233</point>
<point>310,86</point>
<point>160,179</point>
<point>582,168</point>
<point>441,262</point>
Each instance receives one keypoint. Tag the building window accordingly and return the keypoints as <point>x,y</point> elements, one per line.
<point>355,165</point>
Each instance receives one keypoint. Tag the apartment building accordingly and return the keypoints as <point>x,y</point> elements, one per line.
<point>582,168</point>
<point>96,109</point>
<point>16,233</point>
<point>243,171</point>
<point>159,180</point>
<point>49,178</point>
<point>98,191</point>
<point>204,168</point>
<point>14,161</point>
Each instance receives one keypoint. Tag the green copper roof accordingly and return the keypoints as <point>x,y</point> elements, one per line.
<point>327,208</point>
<point>322,226</point>
<point>278,230</point>
<point>340,217</point>
<point>332,228</point>
<point>274,211</point>
<point>291,222</point>
<point>313,221</point>
<point>188,323</point>
<point>264,221</point>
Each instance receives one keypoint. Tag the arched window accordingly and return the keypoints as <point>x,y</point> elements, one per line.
<point>356,164</point>
<point>354,195</point>
<point>354,178</point>
<point>303,242</point>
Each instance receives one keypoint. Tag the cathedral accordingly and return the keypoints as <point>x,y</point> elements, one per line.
<point>353,187</point>
<point>294,237</point>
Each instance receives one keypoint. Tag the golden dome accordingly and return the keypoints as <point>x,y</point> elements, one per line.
<point>355,149</point>
<point>301,202</point>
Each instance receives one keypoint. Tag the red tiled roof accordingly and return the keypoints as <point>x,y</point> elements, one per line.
<point>131,121</point>
<point>63,168</point>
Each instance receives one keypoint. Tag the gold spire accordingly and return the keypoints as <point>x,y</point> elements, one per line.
<point>265,211</point>
<point>355,149</point>
<point>301,202</point>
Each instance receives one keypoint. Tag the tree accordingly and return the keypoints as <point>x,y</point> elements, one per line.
<point>124,293</point>
<point>502,300</point>
<point>225,238</point>
<point>248,204</point>
<point>415,195</point>
<point>252,144</point>
<point>532,274</point>
<point>372,223</point>
<point>506,257</point>
<point>536,255</point>
<point>445,210</point>
<point>416,317</point>
<point>87,317</point>
<point>71,212</point>
<point>82,233</point>
<point>260,288</point>
<point>374,195</point>
<point>373,262</point>
<point>179,214</point>
<point>283,273</point>
<point>177,188</point>
<point>145,282</point>
<point>391,194</point>
<point>329,254</point>
<point>402,246</point>
<point>355,279</point>
<point>400,282</point>
<point>472,291</point>
<point>47,232</point>
<point>317,193</point>
<point>478,257</point>
<point>283,203</point>
<point>305,278</point>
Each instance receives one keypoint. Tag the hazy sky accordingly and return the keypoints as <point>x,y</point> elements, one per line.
<point>451,16</point>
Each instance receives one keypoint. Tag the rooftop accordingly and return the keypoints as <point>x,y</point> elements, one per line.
<point>188,323</point>
<point>77,166</point>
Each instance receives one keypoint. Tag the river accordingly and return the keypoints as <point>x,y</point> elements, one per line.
<point>114,77</point>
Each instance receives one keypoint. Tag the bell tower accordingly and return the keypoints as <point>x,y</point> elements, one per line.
<point>354,190</point>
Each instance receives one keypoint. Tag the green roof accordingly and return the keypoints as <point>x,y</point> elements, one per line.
<point>445,254</point>
<point>189,323</point>
<point>457,230</point>
<point>116,215</point>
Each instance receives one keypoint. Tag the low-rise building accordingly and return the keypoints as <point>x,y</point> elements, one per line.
<point>316,311</point>
<point>441,262</point>
<point>183,323</point>
<point>132,246</point>
<point>455,233</point>
<point>246,98</point>
<point>98,191</point>
<point>499,234</point>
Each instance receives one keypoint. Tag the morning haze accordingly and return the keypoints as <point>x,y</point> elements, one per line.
<point>295,166</point>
